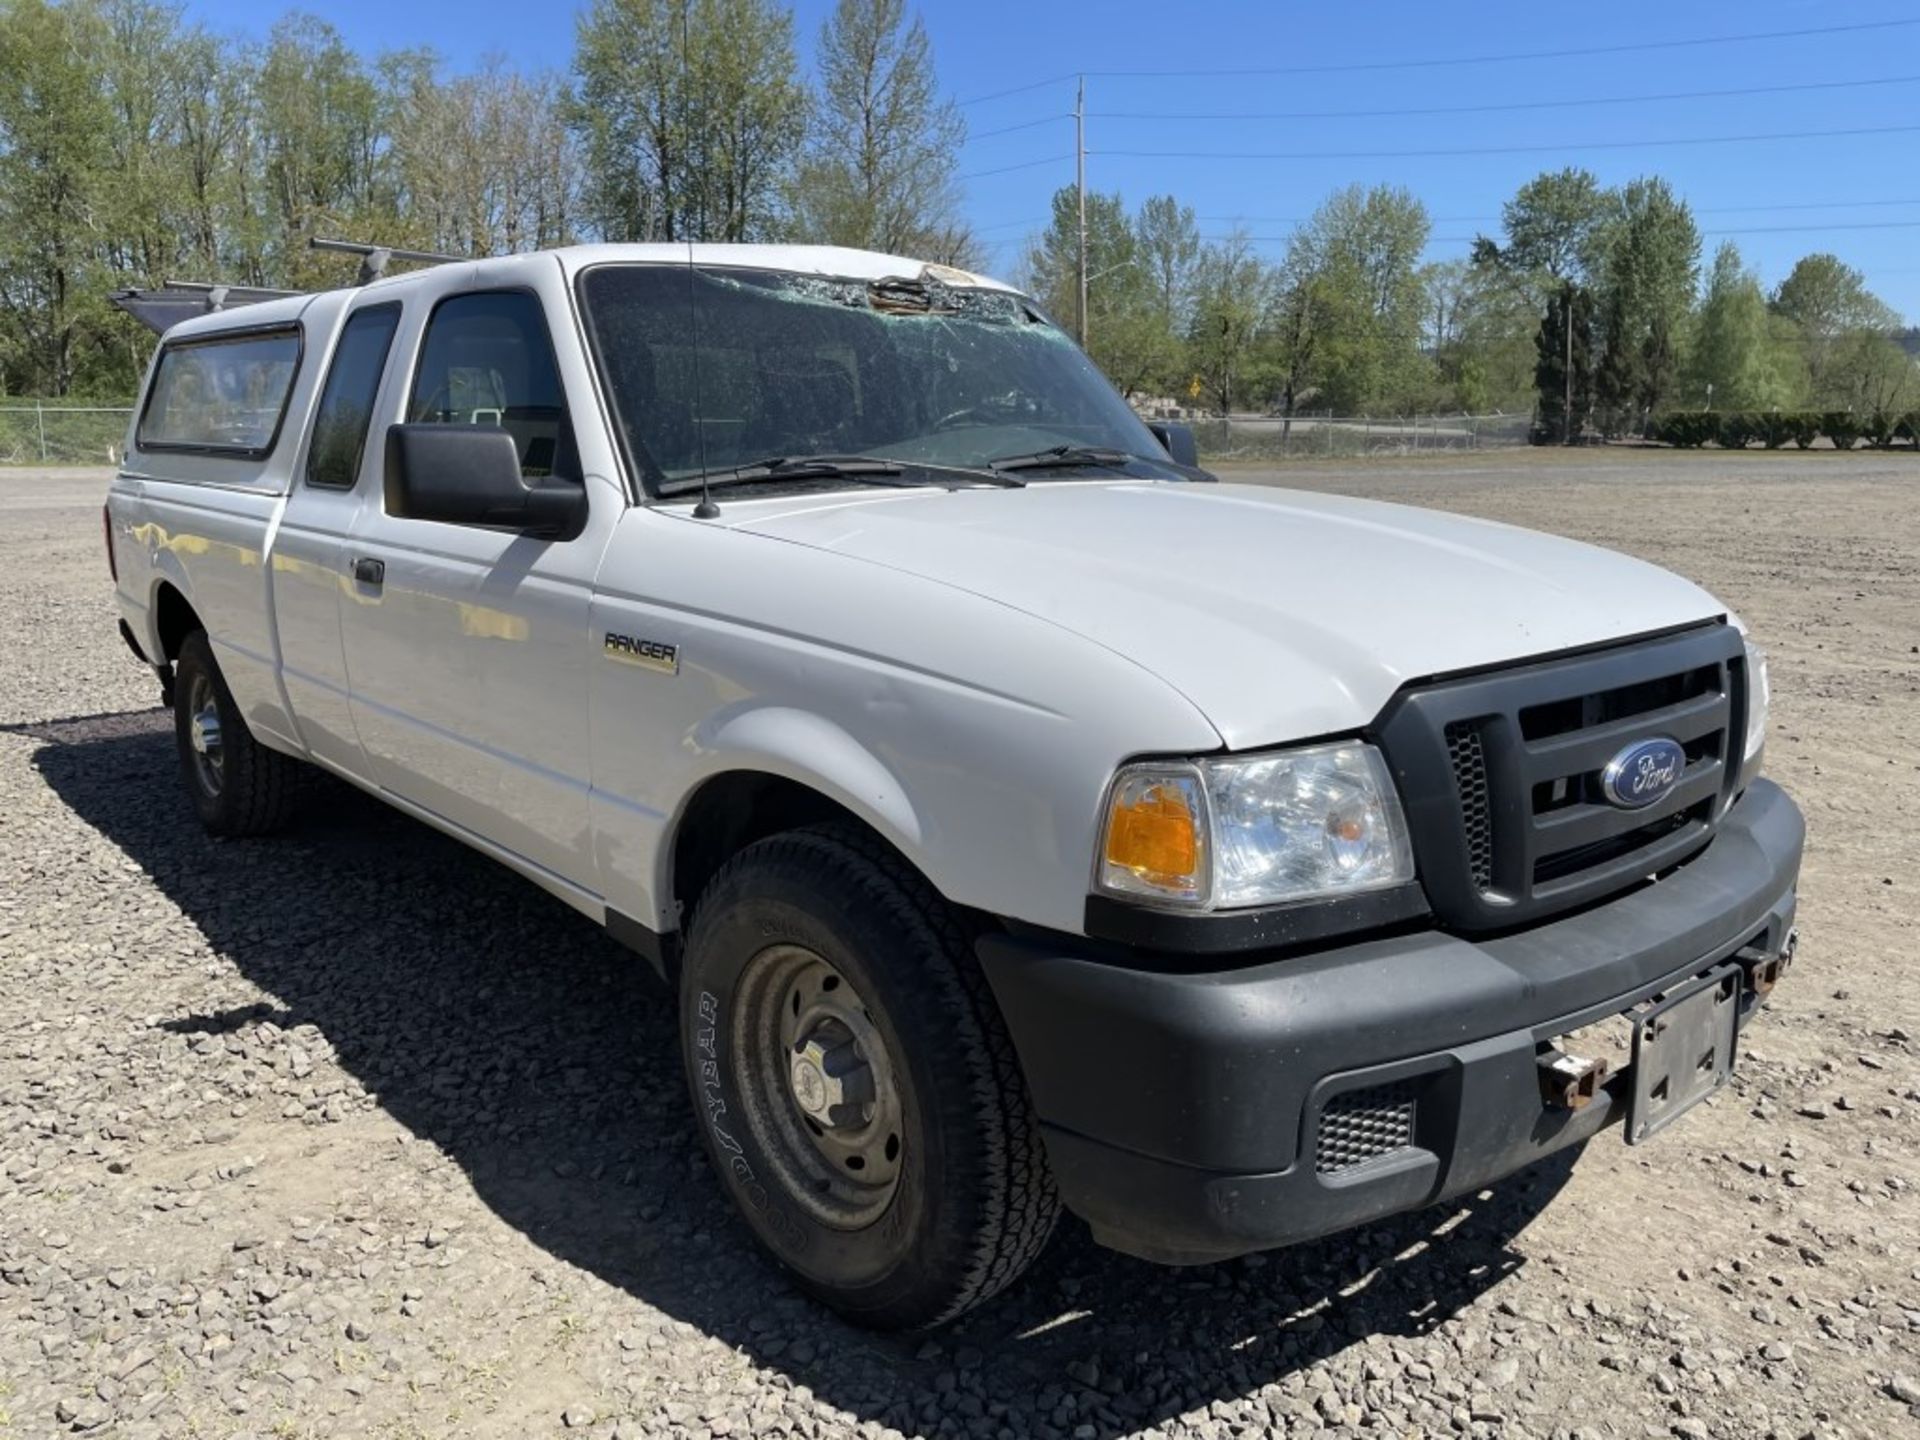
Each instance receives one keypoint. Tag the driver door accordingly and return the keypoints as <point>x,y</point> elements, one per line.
<point>465,644</point>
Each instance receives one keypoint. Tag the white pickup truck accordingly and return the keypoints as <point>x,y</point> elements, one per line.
<point>1021,817</point>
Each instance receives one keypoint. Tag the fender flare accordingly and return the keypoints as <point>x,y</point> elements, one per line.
<point>807,749</point>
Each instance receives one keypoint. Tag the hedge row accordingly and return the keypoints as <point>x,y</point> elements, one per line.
<point>1736,429</point>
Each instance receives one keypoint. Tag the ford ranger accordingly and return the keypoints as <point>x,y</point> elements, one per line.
<point>1022,818</point>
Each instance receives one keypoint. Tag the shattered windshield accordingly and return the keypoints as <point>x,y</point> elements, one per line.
<point>803,365</point>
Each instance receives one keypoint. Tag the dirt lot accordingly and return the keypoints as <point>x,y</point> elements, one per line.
<point>351,1133</point>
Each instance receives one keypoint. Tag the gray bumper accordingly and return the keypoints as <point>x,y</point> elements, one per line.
<point>1180,1109</point>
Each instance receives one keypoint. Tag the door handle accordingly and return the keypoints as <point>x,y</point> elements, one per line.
<point>370,572</point>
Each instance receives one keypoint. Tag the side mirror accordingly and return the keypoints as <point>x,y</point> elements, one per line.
<point>470,475</point>
<point>1177,441</point>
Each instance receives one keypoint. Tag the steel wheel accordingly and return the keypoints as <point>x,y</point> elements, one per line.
<point>818,1085</point>
<point>203,733</point>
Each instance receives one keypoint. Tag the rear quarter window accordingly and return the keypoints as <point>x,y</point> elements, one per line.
<point>221,394</point>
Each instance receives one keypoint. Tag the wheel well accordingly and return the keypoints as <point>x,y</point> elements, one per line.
<point>728,813</point>
<point>174,619</point>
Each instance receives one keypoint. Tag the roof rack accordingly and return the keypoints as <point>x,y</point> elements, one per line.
<point>162,307</point>
<point>374,259</point>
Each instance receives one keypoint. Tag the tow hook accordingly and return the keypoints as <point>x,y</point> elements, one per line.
<point>1764,970</point>
<point>1569,1082</point>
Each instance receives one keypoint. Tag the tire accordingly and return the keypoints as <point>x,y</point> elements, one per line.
<point>237,785</point>
<point>970,1203</point>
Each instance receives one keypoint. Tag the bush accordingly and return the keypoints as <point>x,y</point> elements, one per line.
<point>1688,429</point>
<point>1881,429</point>
<point>1738,427</point>
<point>1842,427</point>
<point>1803,427</point>
<point>1910,426</point>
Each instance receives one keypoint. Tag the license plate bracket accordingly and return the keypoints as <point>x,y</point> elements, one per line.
<point>1683,1050</point>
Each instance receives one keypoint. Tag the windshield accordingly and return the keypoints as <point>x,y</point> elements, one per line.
<point>801,365</point>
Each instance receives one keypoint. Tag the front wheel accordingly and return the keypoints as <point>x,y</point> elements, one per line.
<point>237,785</point>
<point>854,1084</point>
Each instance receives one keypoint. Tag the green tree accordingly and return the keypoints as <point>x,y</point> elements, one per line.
<point>1735,348</point>
<point>323,133</point>
<point>1125,337</point>
<point>1645,269</point>
<point>1480,332</point>
<point>1829,303</point>
<point>1563,368</point>
<point>1553,225</point>
<point>879,169</point>
<point>1234,303</point>
<point>1356,264</point>
<point>691,116</point>
<point>54,166</point>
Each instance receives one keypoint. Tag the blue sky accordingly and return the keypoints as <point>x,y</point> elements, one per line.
<point>1856,195</point>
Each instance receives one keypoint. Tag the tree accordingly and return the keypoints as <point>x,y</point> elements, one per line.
<point>1830,304</point>
<point>54,164</point>
<point>1480,333</point>
<point>1124,335</point>
<point>1363,246</point>
<point>1563,368</point>
<point>1234,299</point>
<point>1552,224</point>
<point>485,162</point>
<point>1735,349</point>
<point>1169,247</point>
<point>879,171</point>
<point>1646,264</point>
<point>691,115</point>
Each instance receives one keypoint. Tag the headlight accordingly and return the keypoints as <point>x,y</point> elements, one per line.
<point>1256,829</point>
<point>1759,693</point>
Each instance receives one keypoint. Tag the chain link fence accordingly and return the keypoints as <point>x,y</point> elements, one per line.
<point>42,434</point>
<point>1316,436</point>
<point>63,434</point>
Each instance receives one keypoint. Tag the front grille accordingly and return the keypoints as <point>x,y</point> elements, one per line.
<point>1469,758</point>
<point>1364,1125</point>
<point>1501,773</point>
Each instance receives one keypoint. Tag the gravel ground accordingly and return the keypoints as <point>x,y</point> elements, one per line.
<point>350,1133</point>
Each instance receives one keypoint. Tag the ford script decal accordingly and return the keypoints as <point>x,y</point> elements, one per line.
<point>1643,772</point>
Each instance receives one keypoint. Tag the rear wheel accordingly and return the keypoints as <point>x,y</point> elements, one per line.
<point>855,1086</point>
<point>237,785</point>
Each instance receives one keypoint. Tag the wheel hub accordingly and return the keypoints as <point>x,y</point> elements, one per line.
<point>203,734</point>
<point>831,1080</point>
<point>817,1084</point>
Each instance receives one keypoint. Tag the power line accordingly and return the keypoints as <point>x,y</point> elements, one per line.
<point>1704,234</point>
<point>1496,219</point>
<point>1508,149</point>
<point>1477,109</point>
<point>1023,125</point>
<point>1028,165</point>
<point>1442,62</point>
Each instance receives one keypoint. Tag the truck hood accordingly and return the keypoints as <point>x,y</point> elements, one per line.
<point>1280,614</point>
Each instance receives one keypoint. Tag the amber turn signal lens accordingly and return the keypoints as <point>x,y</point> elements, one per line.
<point>1155,836</point>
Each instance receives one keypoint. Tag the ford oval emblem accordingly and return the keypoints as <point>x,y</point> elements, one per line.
<point>1643,772</point>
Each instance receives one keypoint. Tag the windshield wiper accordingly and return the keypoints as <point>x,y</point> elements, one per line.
<point>867,469</point>
<point>1064,456</point>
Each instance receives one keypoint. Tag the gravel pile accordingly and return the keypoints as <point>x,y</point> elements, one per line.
<point>351,1133</point>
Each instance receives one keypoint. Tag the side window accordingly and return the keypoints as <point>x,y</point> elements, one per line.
<point>487,360</point>
<point>222,395</point>
<point>346,400</point>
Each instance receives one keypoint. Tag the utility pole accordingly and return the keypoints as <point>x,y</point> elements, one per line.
<point>1566,415</point>
<point>1080,180</point>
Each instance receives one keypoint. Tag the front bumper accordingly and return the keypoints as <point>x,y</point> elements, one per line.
<point>1182,1112</point>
